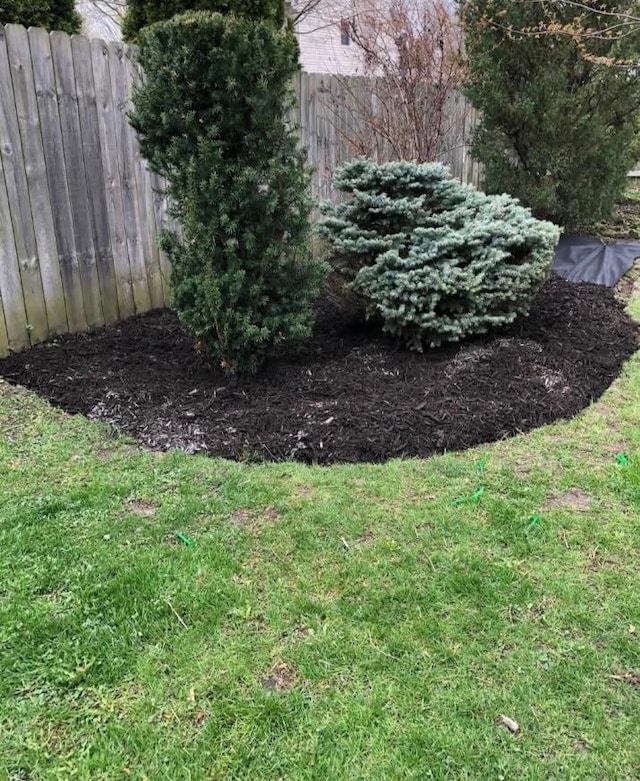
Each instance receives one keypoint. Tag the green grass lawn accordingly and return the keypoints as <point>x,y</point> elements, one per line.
<point>350,622</point>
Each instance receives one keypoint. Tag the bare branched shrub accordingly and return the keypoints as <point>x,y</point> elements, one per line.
<point>411,54</point>
<point>102,18</point>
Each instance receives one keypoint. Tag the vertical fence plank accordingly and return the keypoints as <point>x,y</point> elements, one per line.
<point>154,262</point>
<point>163,221</point>
<point>145,200</point>
<point>15,315</point>
<point>448,140</point>
<point>18,194</point>
<point>4,336</point>
<point>293,116</point>
<point>335,134</point>
<point>95,183</point>
<point>126,165</point>
<point>301,118</point>
<point>30,132</point>
<point>475,169</point>
<point>76,177</point>
<point>150,236</point>
<point>315,132</point>
<point>111,177</point>
<point>47,103</point>
<point>459,123</point>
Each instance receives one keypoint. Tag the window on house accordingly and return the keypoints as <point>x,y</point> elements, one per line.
<point>345,29</point>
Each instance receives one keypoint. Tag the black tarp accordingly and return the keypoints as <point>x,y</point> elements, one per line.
<point>588,259</point>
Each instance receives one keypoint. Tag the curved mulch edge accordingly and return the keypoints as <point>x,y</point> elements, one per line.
<point>348,395</point>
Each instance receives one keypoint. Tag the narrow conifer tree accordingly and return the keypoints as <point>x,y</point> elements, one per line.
<point>142,13</point>
<point>211,119</point>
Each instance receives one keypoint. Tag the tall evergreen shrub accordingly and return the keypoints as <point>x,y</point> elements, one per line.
<point>50,14</point>
<point>210,118</point>
<point>142,13</point>
<point>436,259</point>
<point>557,109</point>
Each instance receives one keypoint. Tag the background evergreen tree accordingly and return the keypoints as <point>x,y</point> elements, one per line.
<point>142,13</point>
<point>557,118</point>
<point>50,14</point>
<point>435,259</point>
<point>210,118</point>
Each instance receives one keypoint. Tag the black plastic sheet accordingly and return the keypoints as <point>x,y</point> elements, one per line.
<point>587,259</point>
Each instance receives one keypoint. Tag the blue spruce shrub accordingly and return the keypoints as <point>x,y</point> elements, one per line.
<point>436,259</point>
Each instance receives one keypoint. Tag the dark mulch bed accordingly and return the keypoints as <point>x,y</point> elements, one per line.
<point>347,395</point>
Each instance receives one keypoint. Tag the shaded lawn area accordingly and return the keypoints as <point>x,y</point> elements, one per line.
<point>342,623</point>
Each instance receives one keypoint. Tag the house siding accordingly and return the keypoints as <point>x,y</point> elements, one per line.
<point>319,35</point>
<point>321,48</point>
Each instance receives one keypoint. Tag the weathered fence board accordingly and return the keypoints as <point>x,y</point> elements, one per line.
<point>15,175</point>
<point>4,336</point>
<point>80,213</point>
<point>164,221</point>
<point>67,92</point>
<point>53,318</point>
<point>55,165</point>
<point>110,172</point>
<point>15,316</point>
<point>125,141</point>
<point>145,199</point>
<point>96,186</point>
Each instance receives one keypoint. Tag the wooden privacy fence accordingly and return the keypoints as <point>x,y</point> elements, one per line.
<point>80,213</point>
<point>337,120</point>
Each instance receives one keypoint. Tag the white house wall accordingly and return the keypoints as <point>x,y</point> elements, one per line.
<point>319,32</point>
<point>321,49</point>
<point>320,35</point>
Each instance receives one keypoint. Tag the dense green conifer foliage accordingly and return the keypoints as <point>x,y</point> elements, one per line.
<point>50,14</point>
<point>142,13</point>
<point>558,95</point>
<point>211,119</point>
<point>436,259</point>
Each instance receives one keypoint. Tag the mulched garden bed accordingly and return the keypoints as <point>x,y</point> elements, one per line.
<point>348,395</point>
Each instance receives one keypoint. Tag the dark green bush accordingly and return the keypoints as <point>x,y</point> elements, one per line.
<point>436,259</point>
<point>50,14</point>
<point>557,114</point>
<point>142,13</point>
<point>210,118</point>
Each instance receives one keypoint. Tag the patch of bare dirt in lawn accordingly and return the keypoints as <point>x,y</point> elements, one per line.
<point>142,507</point>
<point>573,499</point>
<point>281,677</point>
<point>632,677</point>
<point>242,517</point>
<point>251,519</point>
